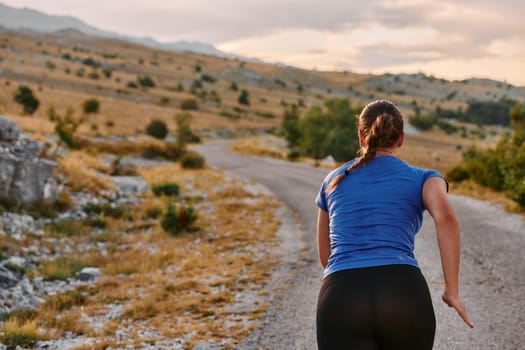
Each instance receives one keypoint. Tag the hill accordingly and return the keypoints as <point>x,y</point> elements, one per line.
<point>67,66</point>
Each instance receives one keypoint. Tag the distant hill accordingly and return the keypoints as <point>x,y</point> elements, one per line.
<point>28,19</point>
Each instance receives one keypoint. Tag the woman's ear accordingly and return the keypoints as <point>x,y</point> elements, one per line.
<point>401,140</point>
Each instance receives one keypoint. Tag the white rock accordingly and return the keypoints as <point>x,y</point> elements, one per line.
<point>88,273</point>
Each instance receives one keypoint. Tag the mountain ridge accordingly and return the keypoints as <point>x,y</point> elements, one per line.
<point>29,19</point>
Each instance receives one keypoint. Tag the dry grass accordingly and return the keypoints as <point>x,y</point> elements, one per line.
<point>82,173</point>
<point>15,333</point>
<point>260,146</point>
<point>474,190</point>
<point>182,287</point>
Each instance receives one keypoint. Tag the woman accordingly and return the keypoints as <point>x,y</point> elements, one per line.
<point>373,294</point>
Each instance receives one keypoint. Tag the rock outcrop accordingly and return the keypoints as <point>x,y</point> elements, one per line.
<point>24,176</point>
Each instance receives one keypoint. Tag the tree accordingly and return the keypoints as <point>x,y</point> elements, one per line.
<point>91,106</point>
<point>24,96</point>
<point>290,126</point>
<point>502,168</point>
<point>244,97</point>
<point>331,130</point>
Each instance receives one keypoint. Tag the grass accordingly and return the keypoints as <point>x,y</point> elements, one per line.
<point>82,173</point>
<point>189,281</point>
<point>15,333</point>
<point>63,267</point>
<point>260,146</point>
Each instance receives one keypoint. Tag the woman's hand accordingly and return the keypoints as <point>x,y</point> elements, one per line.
<point>455,302</point>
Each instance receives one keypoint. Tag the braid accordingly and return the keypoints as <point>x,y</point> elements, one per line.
<point>382,124</point>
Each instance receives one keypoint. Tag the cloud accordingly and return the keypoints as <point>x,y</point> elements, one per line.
<point>327,34</point>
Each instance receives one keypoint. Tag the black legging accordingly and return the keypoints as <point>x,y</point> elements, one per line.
<point>375,308</point>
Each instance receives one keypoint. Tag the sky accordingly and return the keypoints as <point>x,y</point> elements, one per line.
<point>452,39</point>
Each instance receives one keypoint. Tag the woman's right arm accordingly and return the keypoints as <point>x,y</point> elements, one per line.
<point>436,202</point>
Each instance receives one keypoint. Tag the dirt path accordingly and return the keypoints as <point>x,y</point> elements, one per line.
<point>493,269</point>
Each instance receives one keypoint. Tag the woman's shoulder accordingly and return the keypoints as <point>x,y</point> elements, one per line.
<point>424,173</point>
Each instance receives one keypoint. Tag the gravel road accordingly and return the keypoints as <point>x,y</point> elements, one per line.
<point>492,269</point>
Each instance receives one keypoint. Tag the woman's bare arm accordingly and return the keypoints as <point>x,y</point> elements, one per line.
<point>436,202</point>
<point>323,237</point>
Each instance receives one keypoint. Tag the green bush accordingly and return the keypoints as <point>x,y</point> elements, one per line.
<point>192,160</point>
<point>166,189</point>
<point>91,106</point>
<point>502,168</point>
<point>183,133</point>
<point>170,151</point>
<point>208,78</point>
<point>107,209</point>
<point>146,81</point>
<point>458,174</point>
<point>157,129</point>
<point>244,97</point>
<point>177,218</point>
<point>422,122</point>
<point>66,126</point>
<point>24,96</point>
<point>189,104</point>
<point>323,131</point>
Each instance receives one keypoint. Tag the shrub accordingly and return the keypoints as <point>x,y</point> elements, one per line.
<point>65,127</point>
<point>189,104</point>
<point>158,129</point>
<point>244,97</point>
<point>229,115</point>
<point>169,151</point>
<point>208,78</point>
<point>90,62</point>
<point>132,85</point>
<point>422,122</point>
<point>192,160</point>
<point>183,133</point>
<point>233,86</point>
<point>146,81</point>
<point>178,218</point>
<point>107,209</point>
<point>166,189</point>
<point>458,174</point>
<point>24,96</point>
<point>91,106</point>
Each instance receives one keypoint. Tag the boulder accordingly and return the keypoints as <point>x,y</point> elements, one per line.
<point>24,176</point>
<point>9,131</point>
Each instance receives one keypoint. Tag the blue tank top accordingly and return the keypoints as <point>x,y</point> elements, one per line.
<point>375,213</point>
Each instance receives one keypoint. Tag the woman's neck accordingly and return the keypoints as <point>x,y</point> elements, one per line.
<point>386,152</point>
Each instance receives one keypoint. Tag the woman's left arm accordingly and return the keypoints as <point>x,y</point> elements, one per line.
<point>323,236</point>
